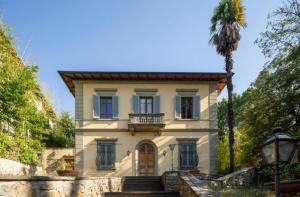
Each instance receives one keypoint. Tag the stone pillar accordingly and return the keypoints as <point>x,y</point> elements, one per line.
<point>79,121</point>
<point>213,135</point>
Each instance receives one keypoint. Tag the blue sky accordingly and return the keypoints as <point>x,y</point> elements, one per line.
<point>127,35</point>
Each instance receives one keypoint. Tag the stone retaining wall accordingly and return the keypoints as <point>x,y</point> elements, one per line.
<point>14,168</point>
<point>190,186</point>
<point>59,186</point>
<point>245,177</point>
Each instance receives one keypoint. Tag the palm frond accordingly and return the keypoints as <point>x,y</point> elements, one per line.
<point>227,19</point>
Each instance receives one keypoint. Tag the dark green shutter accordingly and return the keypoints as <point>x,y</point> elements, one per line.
<point>115,106</point>
<point>135,104</point>
<point>156,108</point>
<point>177,107</point>
<point>96,106</point>
<point>196,107</point>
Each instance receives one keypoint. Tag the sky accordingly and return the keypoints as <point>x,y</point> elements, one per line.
<point>128,35</point>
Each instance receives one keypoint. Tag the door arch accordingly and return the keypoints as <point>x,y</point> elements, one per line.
<point>146,158</point>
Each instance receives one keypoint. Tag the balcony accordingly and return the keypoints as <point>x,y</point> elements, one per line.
<point>146,122</point>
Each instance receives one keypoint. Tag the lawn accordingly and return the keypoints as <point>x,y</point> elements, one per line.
<point>246,192</point>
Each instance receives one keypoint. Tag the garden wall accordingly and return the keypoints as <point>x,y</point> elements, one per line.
<point>14,168</point>
<point>59,186</point>
<point>190,186</point>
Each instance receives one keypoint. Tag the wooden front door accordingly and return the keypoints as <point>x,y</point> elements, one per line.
<point>146,160</point>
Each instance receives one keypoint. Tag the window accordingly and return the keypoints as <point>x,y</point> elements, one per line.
<point>188,157</point>
<point>106,107</point>
<point>146,105</point>
<point>105,154</point>
<point>186,107</point>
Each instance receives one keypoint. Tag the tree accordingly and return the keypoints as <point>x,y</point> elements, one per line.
<point>63,135</point>
<point>282,32</point>
<point>23,125</point>
<point>227,19</point>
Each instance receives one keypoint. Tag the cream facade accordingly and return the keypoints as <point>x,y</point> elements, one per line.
<point>141,145</point>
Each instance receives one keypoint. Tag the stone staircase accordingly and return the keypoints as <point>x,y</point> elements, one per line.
<point>142,186</point>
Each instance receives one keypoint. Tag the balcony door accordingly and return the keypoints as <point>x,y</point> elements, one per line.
<point>146,105</point>
<point>146,160</point>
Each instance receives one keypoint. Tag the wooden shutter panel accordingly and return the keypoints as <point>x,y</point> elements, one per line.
<point>156,108</point>
<point>96,106</point>
<point>115,106</point>
<point>177,107</point>
<point>196,107</point>
<point>135,104</point>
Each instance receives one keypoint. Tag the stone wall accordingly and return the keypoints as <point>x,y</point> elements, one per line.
<point>14,168</point>
<point>242,178</point>
<point>58,186</point>
<point>190,186</point>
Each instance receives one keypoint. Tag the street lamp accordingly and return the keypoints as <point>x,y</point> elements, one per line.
<point>278,150</point>
<point>172,146</point>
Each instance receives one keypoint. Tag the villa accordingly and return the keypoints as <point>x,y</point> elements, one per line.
<point>144,123</point>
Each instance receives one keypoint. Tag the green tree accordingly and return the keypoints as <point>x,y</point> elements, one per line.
<point>23,126</point>
<point>227,19</point>
<point>63,135</point>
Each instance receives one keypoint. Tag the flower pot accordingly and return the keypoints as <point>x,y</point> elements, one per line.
<point>67,172</point>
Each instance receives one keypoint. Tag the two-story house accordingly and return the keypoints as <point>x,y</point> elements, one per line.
<point>144,123</point>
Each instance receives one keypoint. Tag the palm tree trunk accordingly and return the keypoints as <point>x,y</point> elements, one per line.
<point>230,114</point>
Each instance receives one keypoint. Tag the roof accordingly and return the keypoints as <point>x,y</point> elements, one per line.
<point>70,76</point>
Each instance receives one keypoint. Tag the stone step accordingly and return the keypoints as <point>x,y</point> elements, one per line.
<point>141,194</point>
<point>142,183</point>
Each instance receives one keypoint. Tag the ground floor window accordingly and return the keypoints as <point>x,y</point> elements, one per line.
<point>188,157</point>
<point>106,151</point>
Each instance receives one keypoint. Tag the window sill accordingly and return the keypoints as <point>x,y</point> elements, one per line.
<point>106,119</point>
<point>106,169</point>
<point>186,168</point>
<point>193,119</point>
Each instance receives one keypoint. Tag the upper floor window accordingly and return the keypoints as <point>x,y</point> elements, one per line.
<point>146,105</point>
<point>106,107</point>
<point>186,107</point>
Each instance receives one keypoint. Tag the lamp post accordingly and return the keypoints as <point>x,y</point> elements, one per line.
<point>278,150</point>
<point>172,146</point>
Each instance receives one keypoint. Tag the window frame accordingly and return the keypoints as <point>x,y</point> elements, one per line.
<point>106,166</point>
<point>100,106</point>
<point>147,98</point>
<point>192,108</point>
<point>195,157</point>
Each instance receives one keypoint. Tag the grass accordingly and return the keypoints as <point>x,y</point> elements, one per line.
<point>246,192</point>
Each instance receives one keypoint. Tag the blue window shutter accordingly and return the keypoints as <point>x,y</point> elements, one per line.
<point>196,107</point>
<point>156,108</point>
<point>96,106</point>
<point>115,106</point>
<point>135,104</point>
<point>177,107</point>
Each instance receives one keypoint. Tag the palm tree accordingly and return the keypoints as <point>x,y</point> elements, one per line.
<point>227,19</point>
